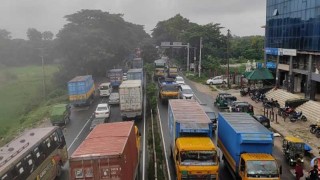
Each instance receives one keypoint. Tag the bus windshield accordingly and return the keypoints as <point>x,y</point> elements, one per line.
<point>198,158</point>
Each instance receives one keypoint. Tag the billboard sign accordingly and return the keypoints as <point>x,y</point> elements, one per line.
<point>271,65</point>
<point>288,52</point>
<point>272,51</point>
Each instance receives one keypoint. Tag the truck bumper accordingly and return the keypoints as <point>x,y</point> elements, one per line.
<point>131,115</point>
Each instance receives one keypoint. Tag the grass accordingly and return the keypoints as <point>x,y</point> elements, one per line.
<point>22,101</point>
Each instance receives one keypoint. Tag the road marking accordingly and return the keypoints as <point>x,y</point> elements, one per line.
<point>79,134</point>
<point>164,145</point>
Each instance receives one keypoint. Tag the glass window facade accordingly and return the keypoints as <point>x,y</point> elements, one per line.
<point>293,24</point>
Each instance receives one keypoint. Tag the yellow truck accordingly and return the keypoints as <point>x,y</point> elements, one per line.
<point>168,89</point>
<point>159,68</point>
<point>193,152</point>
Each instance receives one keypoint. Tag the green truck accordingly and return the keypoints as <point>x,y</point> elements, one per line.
<point>60,114</point>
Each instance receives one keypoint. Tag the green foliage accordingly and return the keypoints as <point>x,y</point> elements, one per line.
<point>34,35</point>
<point>149,51</point>
<point>249,47</point>
<point>93,41</point>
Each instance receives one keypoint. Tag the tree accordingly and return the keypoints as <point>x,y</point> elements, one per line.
<point>47,35</point>
<point>34,35</point>
<point>4,34</point>
<point>93,41</point>
<point>149,50</point>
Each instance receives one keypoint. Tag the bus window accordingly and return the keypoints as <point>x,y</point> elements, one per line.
<point>61,139</point>
<point>7,176</point>
<point>36,157</point>
<point>29,164</point>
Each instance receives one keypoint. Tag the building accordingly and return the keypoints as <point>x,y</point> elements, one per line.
<point>293,44</point>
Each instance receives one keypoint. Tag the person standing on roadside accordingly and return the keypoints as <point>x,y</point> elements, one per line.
<point>314,174</point>
<point>299,170</point>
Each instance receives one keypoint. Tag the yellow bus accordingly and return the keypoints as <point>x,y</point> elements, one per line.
<point>36,154</point>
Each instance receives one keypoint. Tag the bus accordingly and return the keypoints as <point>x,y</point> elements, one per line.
<point>37,154</point>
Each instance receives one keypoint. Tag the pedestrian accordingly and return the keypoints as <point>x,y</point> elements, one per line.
<point>298,169</point>
<point>314,174</point>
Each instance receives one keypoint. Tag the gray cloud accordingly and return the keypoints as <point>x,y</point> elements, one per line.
<point>242,17</point>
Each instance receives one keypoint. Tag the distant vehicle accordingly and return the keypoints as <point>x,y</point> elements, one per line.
<point>185,92</point>
<point>223,100</point>
<point>37,153</point>
<point>124,77</point>
<point>81,90</point>
<point>135,74</point>
<point>60,114</point>
<point>115,77</point>
<point>111,151</point>
<point>241,106</point>
<point>97,121</point>
<point>179,80</point>
<point>172,71</point>
<point>105,89</point>
<point>137,63</point>
<point>263,120</point>
<point>131,99</point>
<point>114,98</point>
<point>159,68</point>
<point>168,89</point>
<point>217,80</point>
<point>211,114</point>
<point>102,111</point>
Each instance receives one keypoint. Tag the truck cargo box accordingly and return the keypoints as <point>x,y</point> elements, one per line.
<point>187,117</point>
<point>115,77</point>
<point>108,152</point>
<point>137,63</point>
<point>240,133</point>
<point>135,74</point>
<point>131,98</point>
<point>81,90</point>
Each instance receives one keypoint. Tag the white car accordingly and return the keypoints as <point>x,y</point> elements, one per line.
<point>102,111</point>
<point>185,92</point>
<point>114,98</point>
<point>179,80</point>
<point>105,89</point>
<point>216,80</point>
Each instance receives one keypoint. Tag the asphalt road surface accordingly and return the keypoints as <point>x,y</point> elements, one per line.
<point>224,174</point>
<point>79,127</point>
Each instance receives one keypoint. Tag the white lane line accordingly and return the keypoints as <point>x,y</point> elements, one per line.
<point>164,145</point>
<point>79,133</point>
<point>144,137</point>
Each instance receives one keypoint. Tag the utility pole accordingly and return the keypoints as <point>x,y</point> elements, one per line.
<point>194,60</point>
<point>228,68</point>
<point>200,56</point>
<point>43,78</point>
<point>188,57</point>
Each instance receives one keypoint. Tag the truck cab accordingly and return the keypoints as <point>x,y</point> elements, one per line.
<point>260,166</point>
<point>168,89</point>
<point>196,158</point>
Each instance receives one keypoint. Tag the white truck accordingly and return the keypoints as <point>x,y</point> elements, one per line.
<point>131,98</point>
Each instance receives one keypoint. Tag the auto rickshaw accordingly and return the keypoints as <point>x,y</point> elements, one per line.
<point>293,149</point>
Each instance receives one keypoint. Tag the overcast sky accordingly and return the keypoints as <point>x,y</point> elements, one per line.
<point>242,17</point>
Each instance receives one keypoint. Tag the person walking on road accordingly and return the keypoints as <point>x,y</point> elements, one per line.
<point>299,170</point>
<point>314,174</point>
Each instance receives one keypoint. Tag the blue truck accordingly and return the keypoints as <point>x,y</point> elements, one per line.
<point>81,90</point>
<point>192,149</point>
<point>246,146</point>
<point>135,74</point>
<point>115,77</point>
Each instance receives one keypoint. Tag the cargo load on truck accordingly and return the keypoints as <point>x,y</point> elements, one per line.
<point>135,74</point>
<point>247,147</point>
<point>110,151</point>
<point>60,114</point>
<point>115,77</point>
<point>172,71</point>
<point>131,99</point>
<point>194,154</point>
<point>168,89</point>
<point>159,68</point>
<point>137,63</point>
<point>81,90</point>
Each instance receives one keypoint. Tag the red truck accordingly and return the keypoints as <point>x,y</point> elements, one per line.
<point>110,151</point>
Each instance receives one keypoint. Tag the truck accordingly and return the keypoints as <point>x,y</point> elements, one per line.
<point>246,146</point>
<point>135,74</point>
<point>110,151</point>
<point>194,154</point>
<point>81,90</point>
<point>137,63</point>
<point>131,99</point>
<point>115,77</point>
<point>60,114</point>
<point>168,89</point>
<point>172,71</point>
<point>159,68</point>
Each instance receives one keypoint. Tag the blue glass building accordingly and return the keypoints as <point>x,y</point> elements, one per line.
<point>293,42</point>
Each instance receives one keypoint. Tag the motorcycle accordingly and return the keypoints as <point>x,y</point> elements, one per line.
<point>285,111</point>
<point>271,104</point>
<point>244,92</point>
<point>314,128</point>
<point>297,116</point>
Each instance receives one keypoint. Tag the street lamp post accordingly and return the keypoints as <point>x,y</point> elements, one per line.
<point>43,77</point>
<point>200,56</point>
<point>188,57</point>
<point>228,68</point>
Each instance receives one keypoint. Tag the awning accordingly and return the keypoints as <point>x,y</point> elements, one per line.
<point>260,74</point>
<point>245,74</point>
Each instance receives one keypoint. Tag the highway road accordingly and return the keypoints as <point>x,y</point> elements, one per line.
<point>224,174</point>
<point>79,127</point>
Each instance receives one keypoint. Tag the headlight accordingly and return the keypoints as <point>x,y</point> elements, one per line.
<point>302,160</point>
<point>291,160</point>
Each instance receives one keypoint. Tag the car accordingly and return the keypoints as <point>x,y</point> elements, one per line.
<point>185,92</point>
<point>211,114</point>
<point>216,80</point>
<point>102,111</point>
<point>223,100</point>
<point>105,89</point>
<point>179,80</point>
<point>97,121</point>
<point>263,120</point>
<point>114,98</point>
<point>241,106</point>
